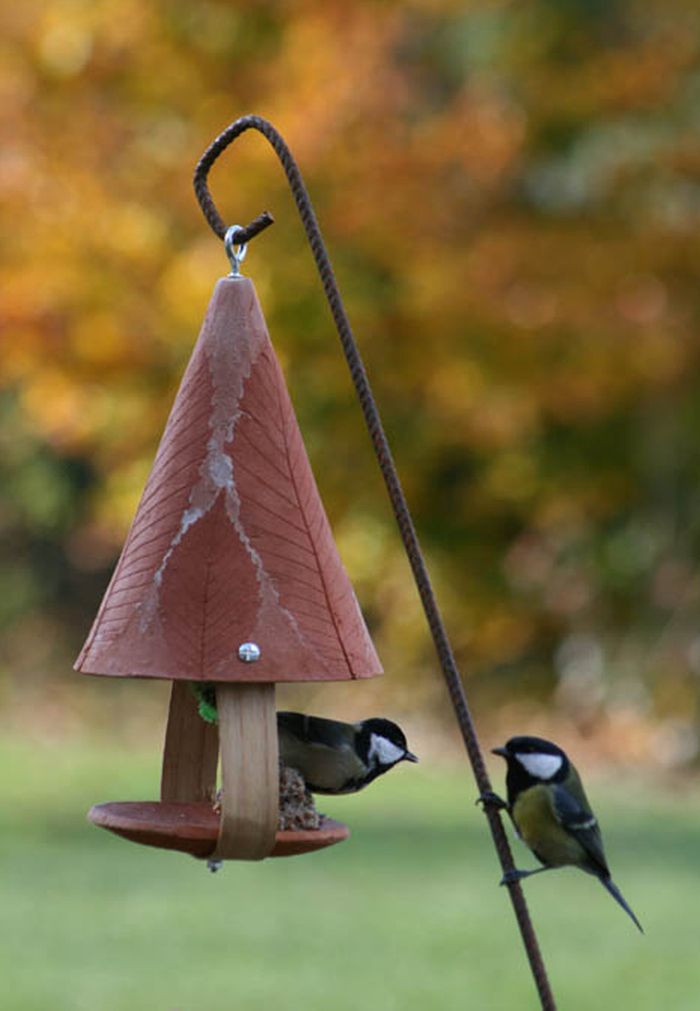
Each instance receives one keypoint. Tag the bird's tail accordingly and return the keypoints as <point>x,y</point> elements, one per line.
<point>617,895</point>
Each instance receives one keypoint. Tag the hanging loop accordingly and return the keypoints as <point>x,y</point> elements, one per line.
<point>235,249</point>
<point>201,173</point>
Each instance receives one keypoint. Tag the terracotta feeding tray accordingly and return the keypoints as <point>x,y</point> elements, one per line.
<point>229,575</point>
<point>194,828</point>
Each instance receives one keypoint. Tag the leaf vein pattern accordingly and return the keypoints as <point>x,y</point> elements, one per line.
<point>321,517</point>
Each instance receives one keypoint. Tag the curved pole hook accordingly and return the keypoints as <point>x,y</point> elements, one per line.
<point>291,169</point>
<point>201,187</point>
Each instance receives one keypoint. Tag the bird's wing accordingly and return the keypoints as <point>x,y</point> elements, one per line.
<point>574,814</point>
<point>319,750</point>
<point>309,729</point>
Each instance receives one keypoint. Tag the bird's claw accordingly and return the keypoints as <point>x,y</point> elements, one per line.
<point>490,799</point>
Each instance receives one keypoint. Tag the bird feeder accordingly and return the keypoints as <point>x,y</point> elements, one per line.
<point>229,575</point>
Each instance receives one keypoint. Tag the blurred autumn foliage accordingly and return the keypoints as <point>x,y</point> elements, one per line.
<point>511,193</point>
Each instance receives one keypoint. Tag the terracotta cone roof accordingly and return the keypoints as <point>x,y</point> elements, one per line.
<point>230,542</point>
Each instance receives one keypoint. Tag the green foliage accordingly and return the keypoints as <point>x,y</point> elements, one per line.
<point>206,701</point>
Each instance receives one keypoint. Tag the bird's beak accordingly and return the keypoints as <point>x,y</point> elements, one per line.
<point>499,751</point>
<point>410,757</point>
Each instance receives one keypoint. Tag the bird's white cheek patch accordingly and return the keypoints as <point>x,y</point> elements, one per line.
<point>384,751</point>
<point>540,766</point>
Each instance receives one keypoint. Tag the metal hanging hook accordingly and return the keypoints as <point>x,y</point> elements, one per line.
<point>235,249</point>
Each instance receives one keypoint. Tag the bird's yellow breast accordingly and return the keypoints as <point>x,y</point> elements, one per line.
<point>533,814</point>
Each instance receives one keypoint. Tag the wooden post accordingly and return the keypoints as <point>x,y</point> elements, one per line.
<point>191,751</point>
<point>249,771</point>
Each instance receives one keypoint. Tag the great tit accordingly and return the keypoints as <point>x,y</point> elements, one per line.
<point>551,813</point>
<point>332,757</point>
<point>338,757</point>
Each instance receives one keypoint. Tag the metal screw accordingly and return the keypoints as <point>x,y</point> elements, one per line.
<point>249,652</point>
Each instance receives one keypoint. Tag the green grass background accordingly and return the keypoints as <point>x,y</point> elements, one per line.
<point>405,915</point>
